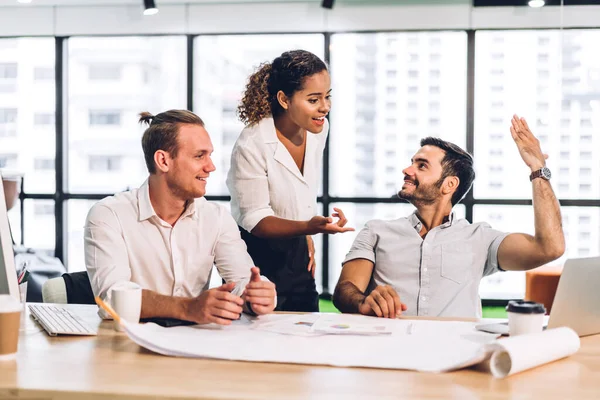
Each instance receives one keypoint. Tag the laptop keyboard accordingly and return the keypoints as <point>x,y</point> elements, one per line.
<point>57,320</point>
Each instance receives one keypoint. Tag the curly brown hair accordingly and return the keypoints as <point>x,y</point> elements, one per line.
<point>286,73</point>
<point>162,131</point>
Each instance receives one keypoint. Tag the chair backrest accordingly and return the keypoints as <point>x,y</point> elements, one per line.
<point>73,288</point>
<point>54,291</point>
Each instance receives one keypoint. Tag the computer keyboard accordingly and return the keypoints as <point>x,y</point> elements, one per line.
<point>57,320</point>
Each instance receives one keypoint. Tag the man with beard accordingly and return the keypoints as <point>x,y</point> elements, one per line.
<point>165,236</point>
<point>431,263</point>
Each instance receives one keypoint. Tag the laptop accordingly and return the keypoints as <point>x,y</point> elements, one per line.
<point>577,300</point>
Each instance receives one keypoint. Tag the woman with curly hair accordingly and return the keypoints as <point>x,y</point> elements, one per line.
<point>275,170</point>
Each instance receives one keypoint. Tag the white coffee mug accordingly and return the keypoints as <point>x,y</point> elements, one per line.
<point>127,303</point>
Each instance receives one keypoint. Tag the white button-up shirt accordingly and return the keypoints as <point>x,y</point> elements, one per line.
<point>126,243</point>
<point>436,276</point>
<point>265,181</point>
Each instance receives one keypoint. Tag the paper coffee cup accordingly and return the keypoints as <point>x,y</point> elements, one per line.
<point>525,317</point>
<point>10,317</point>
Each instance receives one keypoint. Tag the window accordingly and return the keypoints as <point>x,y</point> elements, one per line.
<point>42,164</point>
<point>8,160</point>
<point>43,74</point>
<point>24,63</point>
<point>8,70</point>
<point>136,74</point>
<point>105,163</point>
<point>43,119</point>
<point>43,209</point>
<point>447,117</point>
<point>543,58</point>
<point>102,117</point>
<point>553,112</point>
<point>104,72</point>
<point>8,115</point>
<point>391,74</point>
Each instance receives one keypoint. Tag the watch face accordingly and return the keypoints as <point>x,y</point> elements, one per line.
<point>546,174</point>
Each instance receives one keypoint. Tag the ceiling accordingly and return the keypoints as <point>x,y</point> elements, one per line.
<point>14,3</point>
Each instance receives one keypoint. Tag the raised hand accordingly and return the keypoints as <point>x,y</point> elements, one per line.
<point>527,143</point>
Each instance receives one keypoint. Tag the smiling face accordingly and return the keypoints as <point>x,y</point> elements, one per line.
<point>422,185</point>
<point>308,107</point>
<point>188,171</point>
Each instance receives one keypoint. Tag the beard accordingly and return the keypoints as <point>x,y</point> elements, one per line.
<point>422,194</point>
<point>183,191</point>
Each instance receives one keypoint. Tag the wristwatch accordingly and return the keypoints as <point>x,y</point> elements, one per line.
<point>543,173</point>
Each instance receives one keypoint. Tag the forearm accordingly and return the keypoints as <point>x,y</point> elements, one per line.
<point>156,305</point>
<point>275,227</point>
<point>549,235</point>
<point>347,297</point>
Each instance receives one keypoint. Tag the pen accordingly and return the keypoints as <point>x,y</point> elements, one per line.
<point>21,276</point>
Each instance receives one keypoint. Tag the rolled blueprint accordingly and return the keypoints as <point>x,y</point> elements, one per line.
<point>519,353</point>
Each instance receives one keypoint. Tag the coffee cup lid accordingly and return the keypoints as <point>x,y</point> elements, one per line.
<point>525,307</point>
<point>9,304</point>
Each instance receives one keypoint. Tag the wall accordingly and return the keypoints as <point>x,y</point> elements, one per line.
<point>282,17</point>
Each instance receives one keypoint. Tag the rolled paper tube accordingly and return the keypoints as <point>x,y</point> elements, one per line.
<point>520,353</point>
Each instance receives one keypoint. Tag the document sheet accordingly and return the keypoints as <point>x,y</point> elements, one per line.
<point>349,341</point>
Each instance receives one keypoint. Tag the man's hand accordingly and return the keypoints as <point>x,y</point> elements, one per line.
<point>260,294</point>
<point>216,305</point>
<point>384,302</point>
<point>312,264</point>
<point>528,145</point>
<point>318,224</point>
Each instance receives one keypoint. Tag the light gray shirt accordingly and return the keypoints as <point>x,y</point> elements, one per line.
<point>437,276</point>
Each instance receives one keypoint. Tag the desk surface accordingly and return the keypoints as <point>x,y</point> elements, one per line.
<point>110,366</point>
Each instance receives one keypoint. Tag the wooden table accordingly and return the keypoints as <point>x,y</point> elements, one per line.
<point>110,366</point>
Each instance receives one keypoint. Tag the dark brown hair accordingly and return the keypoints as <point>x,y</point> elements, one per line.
<point>286,73</point>
<point>456,162</point>
<point>162,131</point>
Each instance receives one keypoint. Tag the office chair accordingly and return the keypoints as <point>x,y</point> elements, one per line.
<point>73,288</point>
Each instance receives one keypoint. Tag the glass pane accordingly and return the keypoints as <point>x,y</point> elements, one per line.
<point>14,219</point>
<point>358,215</point>
<point>111,80</point>
<point>582,233</point>
<point>389,91</point>
<point>77,211</point>
<point>39,228</point>
<point>27,109</point>
<point>222,67</point>
<point>557,92</point>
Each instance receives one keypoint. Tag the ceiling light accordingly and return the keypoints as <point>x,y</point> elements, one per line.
<point>328,4</point>
<point>537,3</point>
<point>150,7</point>
<point>23,1</point>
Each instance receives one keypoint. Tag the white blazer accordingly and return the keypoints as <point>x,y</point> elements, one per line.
<point>264,180</point>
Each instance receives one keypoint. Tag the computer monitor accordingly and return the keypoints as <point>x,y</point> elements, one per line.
<point>8,272</point>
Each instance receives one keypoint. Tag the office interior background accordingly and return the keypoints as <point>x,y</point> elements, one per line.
<point>74,74</point>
